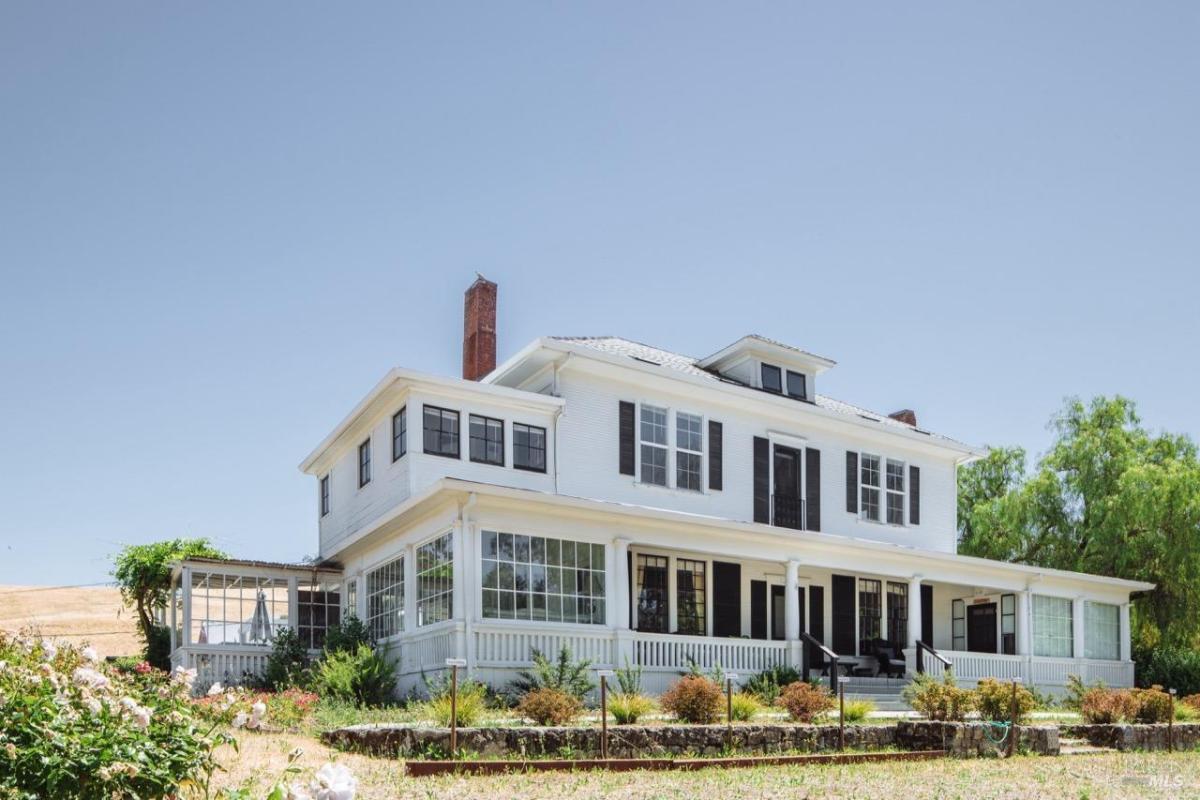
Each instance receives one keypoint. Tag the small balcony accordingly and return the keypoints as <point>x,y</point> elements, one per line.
<point>787,512</point>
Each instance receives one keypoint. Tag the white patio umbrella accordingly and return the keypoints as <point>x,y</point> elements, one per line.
<point>260,623</point>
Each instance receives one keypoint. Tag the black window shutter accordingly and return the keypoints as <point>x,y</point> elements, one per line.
<point>816,623</point>
<point>715,453</point>
<point>812,489</point>
<point>758,609</point>
<point>727,599</point>
<point>914,495</point>
<point>762,480</point>
<point>626,436</point>
<point>842,607</point>
<point>852,482</point>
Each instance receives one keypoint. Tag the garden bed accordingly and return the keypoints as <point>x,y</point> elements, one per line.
<point>1186,736</point>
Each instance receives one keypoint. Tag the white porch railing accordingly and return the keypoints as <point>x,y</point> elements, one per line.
<point>1039,670</point>
<point>231,665</point>
<point>663,651</point>
<point>427,650</point>
<point>498,645</point>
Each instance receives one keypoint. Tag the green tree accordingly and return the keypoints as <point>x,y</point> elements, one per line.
<point>1109,498</point>
<point>143,573</point>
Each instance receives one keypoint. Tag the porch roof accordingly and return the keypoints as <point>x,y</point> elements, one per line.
<point>324,567</point>
<point>448,487</point>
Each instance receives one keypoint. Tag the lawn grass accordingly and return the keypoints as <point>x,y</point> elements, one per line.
<point>261,757</point>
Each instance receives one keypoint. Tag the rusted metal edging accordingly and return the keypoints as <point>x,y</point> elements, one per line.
<point>420,769</point>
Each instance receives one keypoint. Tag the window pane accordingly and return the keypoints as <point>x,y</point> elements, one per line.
<point>435,580</point>
<point>690,596</point>
<point>1053,631</point>
<point>796,385</point>
<point>1102,630</point>
<point>772,378</point>
<point>654,465</point>
<point>542,592</point>
<point>385,599</point>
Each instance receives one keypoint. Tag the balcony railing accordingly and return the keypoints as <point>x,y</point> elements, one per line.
<point>787,512</point>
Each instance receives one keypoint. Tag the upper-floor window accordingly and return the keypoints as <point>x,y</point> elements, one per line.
<point>324,495</point>
<point>869,481</point>
<point>772,378</point>
<point>529,447</point>
<point>689,451</point>
<point>654,445</point>
<point>364,463</point>
<point>441,431</point>
<point>487,440</point>
<point>797,385</point>
<point>399,434</point>
<point>895,492</point>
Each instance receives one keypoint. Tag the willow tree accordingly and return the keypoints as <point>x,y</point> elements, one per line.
<point>1109,498</point>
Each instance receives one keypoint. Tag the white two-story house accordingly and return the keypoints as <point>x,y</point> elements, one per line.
<point>644,507</point>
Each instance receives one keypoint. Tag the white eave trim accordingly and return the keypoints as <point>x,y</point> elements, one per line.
<point>450,485</point>
<point>420,380</point>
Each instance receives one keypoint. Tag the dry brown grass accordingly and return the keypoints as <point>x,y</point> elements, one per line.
<point>92,614</point>
<point>1114,775</point>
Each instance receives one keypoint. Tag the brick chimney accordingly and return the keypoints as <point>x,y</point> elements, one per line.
<point>907,416</point>
<point>479,329</point>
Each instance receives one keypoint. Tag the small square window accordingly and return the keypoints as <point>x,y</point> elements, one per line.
<point>772,378</point>
<point>441,432</point>
<point>529,447</point>
<point>797,385</point>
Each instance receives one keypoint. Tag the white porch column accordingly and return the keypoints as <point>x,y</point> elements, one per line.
<point>174,643</point>
<point>410,589</point>
<point>914,612</point>
<point>791,612</point>
<point>1024,623</point>
<point>1077,627</point>
<point>457,588</point>
<point>294,603</point>
<point>1126,634</point>
<point>618,607</point>
<point>186,585</point>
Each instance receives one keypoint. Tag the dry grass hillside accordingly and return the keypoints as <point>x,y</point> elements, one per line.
<point>92,614</point>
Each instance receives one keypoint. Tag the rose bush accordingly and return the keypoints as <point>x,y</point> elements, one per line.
<point>71,727</point>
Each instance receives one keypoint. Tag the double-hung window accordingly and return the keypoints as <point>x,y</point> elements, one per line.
<point>435,580</point>
<point>487,440</point>
<point>1053,627</point>
<point>689,451</point>
<point>690,608</point>
<point>324,495</point>
<point>399,434</point>
<point>364,463</point>
<point>869,479</point>
<point>772,378</point>
<point>529,447</point>
<point>797,385</point>
<point>654,445</point>
<point>441,432</point>
<point>895,492</point>
<point>897,614</point>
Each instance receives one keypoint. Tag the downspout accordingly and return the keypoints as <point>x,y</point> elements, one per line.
<point>559,364</point>
<point>464,519</point>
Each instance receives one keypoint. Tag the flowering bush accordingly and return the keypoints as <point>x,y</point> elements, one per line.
<point>241,708</point>
<point>71,727</point>
<point>547,706</point>
<point>695,699</point>
<point>804,701</point>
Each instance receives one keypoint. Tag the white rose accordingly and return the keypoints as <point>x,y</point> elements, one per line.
<point>240,720</point>
<point>215,689</point>
<point>90,654</point>
<point>334,782</point>
<point>49,651</point>
<point>259,709</point>
<point>141,718</point>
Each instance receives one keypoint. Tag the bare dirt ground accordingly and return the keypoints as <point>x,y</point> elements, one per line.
<point>92,614</point>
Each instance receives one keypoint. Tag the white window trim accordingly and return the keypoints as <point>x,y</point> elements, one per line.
<point>883,490</point>
<point>672,448</point>
<point>364,587</point>
<point>903,493</point>
<point>417,625</point>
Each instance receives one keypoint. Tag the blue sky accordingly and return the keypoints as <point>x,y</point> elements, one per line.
<point>220,223</point>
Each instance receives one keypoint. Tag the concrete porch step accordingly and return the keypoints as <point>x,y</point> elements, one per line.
<point>1080,747</point>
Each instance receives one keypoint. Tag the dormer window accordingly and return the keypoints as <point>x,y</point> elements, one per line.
<point>797,385</point>
<point>772,378</point>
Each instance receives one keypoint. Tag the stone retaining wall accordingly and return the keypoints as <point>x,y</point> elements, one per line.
<point>1137,737</point>
<point>643,741</point>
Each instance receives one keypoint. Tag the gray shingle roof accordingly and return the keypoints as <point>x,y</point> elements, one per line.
<point>616,346</point>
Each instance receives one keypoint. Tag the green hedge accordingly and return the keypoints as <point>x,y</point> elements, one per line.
<point>1169,667</point>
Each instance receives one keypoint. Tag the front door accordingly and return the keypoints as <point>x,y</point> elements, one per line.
<point>981,628</point>
<point>788,510</point>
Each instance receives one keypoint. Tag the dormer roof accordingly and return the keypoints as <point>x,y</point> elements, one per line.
<point>753,345</point>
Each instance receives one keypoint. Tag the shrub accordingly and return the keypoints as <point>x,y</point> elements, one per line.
<point>1076,689</point>
<point>627,709</point>
<point>564,674</point>
<point>547,706</point>
<point>1151,705</point>
<point>347,635</point>
<point>767,684</point>
<point>629,678</point>
<point>472,700</point>
<point>856,711</point>
<point>287,665</point>
<point>805,702</point>
<point>1173,667</point>
<point>694,699</point>
<point>745,706</point>
<point>1192,701</point>
<point>72,727</point>
<point>1106,706</point>
<point>363,677</point>
<point>994,699</point>
<point>939,700</point>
